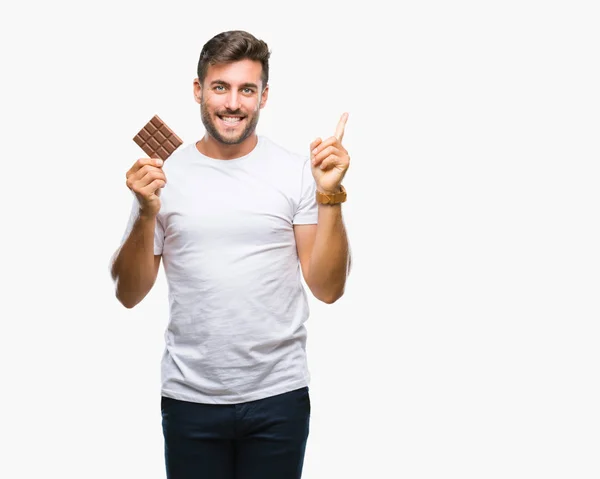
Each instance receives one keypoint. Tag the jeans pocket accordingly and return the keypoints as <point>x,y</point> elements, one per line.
<point>164,403</point>
<point>305,398</point>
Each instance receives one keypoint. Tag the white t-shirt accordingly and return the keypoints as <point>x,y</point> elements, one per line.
<point>237,305</point>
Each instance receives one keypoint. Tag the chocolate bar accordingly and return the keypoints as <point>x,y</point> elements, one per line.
<point>157,139</point>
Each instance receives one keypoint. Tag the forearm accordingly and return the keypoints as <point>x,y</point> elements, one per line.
<point>133,269</point>
<point>330,258</point>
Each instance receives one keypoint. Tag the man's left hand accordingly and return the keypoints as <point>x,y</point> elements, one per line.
<point>330,160</point>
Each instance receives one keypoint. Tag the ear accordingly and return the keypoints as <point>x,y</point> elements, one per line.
<point>197,91</point>
<point>264,96</point>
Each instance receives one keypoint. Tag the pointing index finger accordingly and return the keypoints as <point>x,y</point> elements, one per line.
<point>339,131</point>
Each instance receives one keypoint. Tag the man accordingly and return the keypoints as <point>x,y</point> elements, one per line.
<point>237,219</point>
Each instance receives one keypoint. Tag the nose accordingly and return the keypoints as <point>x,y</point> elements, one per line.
<point>232,101</point>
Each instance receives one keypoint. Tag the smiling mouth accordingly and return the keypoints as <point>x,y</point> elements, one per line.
<point>231,120</point>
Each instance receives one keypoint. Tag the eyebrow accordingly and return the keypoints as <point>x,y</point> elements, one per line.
<point>243,85</point>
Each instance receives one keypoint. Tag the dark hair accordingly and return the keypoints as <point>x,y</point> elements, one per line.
<point>232,46</point>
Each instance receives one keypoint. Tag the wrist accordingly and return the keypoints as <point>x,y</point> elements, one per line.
<point>329,192</point>
<point>331,197</point>
<point>146,216</point>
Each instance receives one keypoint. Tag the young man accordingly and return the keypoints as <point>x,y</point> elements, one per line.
<point>236,219</point>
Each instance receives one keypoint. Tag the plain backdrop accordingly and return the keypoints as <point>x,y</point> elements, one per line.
<point>466,344</point>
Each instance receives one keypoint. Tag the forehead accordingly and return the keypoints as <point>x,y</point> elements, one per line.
<point>243,71</point>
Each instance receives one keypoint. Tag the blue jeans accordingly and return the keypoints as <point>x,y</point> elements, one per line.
<point>263,439</point>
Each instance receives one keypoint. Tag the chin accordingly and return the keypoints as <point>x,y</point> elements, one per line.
<point>228,140</point>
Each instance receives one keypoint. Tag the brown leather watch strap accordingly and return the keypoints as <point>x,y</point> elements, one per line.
<point>332,199</point>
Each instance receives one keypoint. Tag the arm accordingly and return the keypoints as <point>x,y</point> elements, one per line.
<point>323,249</point>
<point>324,254</point>
<point>135,267</point>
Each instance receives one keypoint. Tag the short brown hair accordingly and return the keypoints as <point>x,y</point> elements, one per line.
<point>232,46</point>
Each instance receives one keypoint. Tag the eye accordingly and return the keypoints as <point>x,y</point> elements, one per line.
<point>219,88</point>
<point>248,91</point>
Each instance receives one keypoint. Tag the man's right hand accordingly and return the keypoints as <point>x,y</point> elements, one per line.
<point>145,178</point>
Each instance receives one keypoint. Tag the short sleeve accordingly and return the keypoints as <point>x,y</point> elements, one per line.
<point>307,211</point>
<point>159,233</point>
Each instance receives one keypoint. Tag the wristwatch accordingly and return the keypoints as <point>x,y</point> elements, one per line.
<point>331,199</point>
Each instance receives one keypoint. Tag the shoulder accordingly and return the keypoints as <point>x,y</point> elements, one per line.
<point>184,151</point>
<point>180,157</point>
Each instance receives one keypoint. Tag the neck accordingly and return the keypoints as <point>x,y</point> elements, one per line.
<point>212,148</point>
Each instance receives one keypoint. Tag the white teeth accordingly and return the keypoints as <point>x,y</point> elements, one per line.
<point>231,119</point>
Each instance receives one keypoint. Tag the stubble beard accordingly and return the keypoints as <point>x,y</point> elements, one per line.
<point>211,128</point>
